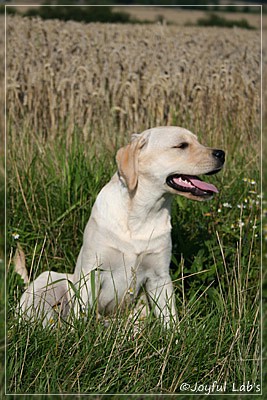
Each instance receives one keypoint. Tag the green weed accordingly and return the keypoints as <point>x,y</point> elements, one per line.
<point>215,269</point>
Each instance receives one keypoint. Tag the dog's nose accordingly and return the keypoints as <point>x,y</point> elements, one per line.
<point>219,154</point>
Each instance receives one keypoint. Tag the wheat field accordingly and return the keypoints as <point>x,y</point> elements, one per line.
<point>183,16</point>
<point>65,75</point>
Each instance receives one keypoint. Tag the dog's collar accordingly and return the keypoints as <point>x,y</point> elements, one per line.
<point>121,179</point>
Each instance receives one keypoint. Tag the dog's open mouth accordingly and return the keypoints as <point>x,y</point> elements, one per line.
<point>191,184</point>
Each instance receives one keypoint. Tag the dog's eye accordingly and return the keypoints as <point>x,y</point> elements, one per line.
<point>183,145</point>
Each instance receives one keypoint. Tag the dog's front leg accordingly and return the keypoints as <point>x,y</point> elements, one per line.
<point>161,296</point>
<point>86,293</point>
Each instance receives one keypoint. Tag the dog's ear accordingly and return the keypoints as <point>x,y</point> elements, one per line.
<point>127,161</point>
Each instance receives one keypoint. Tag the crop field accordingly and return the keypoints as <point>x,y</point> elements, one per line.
<point>75,93</point>
<point>135,77</point>
<point>185,17</point>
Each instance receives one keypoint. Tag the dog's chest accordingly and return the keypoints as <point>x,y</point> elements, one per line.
<point>121,280</point>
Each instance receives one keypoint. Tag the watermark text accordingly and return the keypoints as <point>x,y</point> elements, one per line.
<point>215,387</point>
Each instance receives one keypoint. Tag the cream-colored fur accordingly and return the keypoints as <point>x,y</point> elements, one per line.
<point>127,241</point>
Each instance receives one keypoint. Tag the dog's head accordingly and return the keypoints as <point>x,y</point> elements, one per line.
<point>170,158</point>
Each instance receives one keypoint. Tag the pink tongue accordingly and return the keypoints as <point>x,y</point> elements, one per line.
<point>203,185</point>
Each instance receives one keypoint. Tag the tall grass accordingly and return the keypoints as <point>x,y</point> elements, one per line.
<point>215,270</point>
<point>56,169</point>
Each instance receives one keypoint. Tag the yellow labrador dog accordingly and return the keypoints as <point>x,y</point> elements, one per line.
<point>127,241</point>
